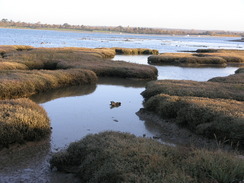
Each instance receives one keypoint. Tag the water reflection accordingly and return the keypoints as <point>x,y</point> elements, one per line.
<point>63,92</point>
<point>134,83</point>
<point>78,111</point>
<point>182,73</point>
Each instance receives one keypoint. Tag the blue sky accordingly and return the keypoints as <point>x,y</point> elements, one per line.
<point>185,14</point>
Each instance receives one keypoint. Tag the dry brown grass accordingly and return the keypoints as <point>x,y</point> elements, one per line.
<point>203,57</point>
<point>10,48</point>
<point>92,59</point>
<point>12,66</point>
<point>15,84</point>
<point>121,157</point>
<point>221,118</point>
<point>240,70</point>
<point>202,106</point>
<point>22,120</point>
<point>235,78</point>
<point>194,88</point>
<point>135,51</point>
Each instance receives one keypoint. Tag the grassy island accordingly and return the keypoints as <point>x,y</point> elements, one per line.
<point>22,120</point>
<point>97,60</point>
<point>121,157</point>
<point>214,109</point>
<point>201,57</point>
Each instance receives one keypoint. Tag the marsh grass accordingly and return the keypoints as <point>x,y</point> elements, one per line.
<point>208,57</point>
<point>121,157</point>
<point>135,51</point>
<point>22,120</point>
<point>213,109</point>
<point>219,118</point>
<point>10,48</point>
<point>16,83</point>
<point>194,88</point>
<point>12,66</point>
<point>234,78</point>
<point>240,70</point>
<point>97,60</point>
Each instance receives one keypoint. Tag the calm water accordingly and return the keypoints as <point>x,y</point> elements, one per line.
<point>46,38</point>
<point>78,111</point>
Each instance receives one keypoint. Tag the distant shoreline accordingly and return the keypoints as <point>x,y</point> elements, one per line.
<point>116,32</point>
<point>239,40</point>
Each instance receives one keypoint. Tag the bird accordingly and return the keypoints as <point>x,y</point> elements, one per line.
<point>115,104</point>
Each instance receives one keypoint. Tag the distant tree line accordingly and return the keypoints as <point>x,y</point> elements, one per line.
<point>134,30</point>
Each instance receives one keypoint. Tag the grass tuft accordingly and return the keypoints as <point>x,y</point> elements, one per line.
<point>208,117</point>
<point>22,120</point>
<point>121,157</point>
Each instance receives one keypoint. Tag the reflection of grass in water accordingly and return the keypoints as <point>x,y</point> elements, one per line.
<point>122,82</point>
<point>63,92</point>
<point>121,157</point>
<point>22,120</point>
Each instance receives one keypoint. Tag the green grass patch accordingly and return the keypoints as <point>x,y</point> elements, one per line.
<point>121,157</point>
<point>22,120</point>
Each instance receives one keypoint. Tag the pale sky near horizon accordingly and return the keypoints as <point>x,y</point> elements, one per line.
<point>184,14</point>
